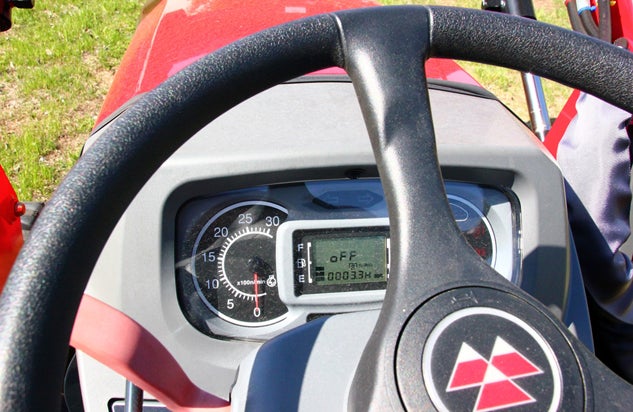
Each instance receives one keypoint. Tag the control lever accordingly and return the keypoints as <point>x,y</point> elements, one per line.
<point>133,398</point>
<point>539,116</point>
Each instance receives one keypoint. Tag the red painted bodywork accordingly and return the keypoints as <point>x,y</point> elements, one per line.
<point>622,21</point>
<point>10,227</point>
<point>559,127</point>
<point>174,33</point>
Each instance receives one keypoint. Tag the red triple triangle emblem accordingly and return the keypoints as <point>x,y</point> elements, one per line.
<point>494,377</point>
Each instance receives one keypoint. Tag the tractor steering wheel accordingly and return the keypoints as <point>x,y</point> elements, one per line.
<point>437,284</point>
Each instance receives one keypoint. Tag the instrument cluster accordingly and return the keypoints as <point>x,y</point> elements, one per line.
<point>255,262</point>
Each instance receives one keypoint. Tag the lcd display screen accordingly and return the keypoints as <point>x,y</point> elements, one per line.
<point>348,260</point>
<point>341,260</point>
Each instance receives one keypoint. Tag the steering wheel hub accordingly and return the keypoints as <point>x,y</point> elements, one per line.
<point>477,349</point>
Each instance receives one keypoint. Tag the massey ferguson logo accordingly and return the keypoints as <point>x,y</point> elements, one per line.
<point>484,359</point>
<point>494,378</point>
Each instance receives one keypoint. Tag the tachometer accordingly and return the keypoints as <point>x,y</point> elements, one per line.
<point>234,269</point>
<point>475,227</point>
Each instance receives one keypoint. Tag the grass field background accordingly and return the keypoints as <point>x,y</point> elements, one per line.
<point>57,63</point>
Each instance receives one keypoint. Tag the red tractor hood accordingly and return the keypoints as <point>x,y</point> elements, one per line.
<point>10,227</point>
<point>174,33</point>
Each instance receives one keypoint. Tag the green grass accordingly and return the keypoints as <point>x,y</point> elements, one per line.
<point>58,61</point>
<point>56,64</point>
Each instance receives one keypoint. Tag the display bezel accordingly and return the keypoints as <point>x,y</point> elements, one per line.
<point>303,246</point>
<point>287,257</point>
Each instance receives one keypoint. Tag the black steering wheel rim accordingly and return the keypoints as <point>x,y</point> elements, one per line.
<point>382,50</point>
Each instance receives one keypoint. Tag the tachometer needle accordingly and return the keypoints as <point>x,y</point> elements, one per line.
<point>255,278</point>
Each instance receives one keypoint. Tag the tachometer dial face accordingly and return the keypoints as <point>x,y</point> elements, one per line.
<point>234,263</point>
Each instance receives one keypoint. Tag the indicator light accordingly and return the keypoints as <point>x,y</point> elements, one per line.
<point>19,209</point>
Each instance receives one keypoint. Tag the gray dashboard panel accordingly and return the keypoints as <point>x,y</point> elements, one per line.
<point>217,295</point>
<point>309,131</point>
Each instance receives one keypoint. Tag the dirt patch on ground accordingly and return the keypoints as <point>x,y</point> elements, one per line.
<point>10,102</point>
<point>103,77</point>
<point>71,141</point>
<point>547,5</point>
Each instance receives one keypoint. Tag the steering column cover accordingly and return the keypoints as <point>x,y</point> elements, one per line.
<point>382,50</point>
